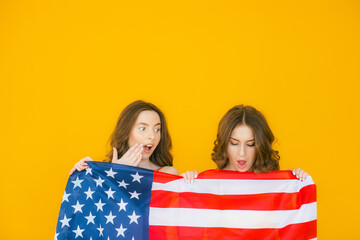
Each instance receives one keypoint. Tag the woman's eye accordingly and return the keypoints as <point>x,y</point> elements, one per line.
<point>157,130</point>
<point>234,144</point>
<point>251,145</point>
<point>141,128</point>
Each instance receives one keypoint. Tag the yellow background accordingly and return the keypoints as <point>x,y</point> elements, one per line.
<point>68,68</point>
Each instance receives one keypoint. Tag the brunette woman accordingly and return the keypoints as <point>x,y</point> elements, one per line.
<point>141,139</point>
<point>244,142</point>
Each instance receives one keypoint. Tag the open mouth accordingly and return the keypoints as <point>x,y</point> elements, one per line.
<point>241,164</point>
<point>147,148</point>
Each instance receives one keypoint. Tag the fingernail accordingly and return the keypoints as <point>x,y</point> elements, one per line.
<point>293,172</point>
<point>196,176</point>
<point>192,181</point>
<point>297,176</point>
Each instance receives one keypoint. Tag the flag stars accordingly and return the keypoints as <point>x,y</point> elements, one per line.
<point>133,218</point>
<point>122,205</point>
<point>90,219</point>
<point>136,177</point>
<point>65,221</point>
<point>77,182</point>
<point>110,193</point>
<point>100,229</point>
<point>77,207</point>
<point>65,197</point>
<point>99,205</point>
<point>78,232</point>
<point>99,181</point>
<point>88,171</point>
<point>56,235</point>
<point>89,193</point>
<point>122,184</point>
<point>110,218</point>
<point>121,231</point>
<point>134,194</point>
<point>110,173</point>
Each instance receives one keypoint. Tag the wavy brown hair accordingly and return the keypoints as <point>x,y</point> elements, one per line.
<point>120,137</point>
<point>266,158</point>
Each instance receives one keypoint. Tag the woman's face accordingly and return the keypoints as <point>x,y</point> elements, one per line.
<point>146,131</point>
<point>241,149</point>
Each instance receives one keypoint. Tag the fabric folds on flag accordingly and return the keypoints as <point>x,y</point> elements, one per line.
<point>114,201</point>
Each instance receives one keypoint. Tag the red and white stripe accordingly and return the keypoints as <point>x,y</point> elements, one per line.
<point>232,205</point>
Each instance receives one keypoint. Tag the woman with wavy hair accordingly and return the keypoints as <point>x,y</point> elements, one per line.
<point>244,143</point>
<point>141,139</point>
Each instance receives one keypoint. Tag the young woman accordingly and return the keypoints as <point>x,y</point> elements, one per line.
<point>244,143</point>
<point>141,138</point>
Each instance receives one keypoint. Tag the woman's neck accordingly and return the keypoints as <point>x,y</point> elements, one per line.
<point>145,163</point>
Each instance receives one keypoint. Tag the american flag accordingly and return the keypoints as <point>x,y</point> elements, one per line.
<point>112,201</point>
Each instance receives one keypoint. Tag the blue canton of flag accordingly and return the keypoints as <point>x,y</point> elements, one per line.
<point>107,201</point>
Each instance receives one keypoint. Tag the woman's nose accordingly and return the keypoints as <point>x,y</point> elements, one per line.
<point>150,135</point>
<point>242,151</point>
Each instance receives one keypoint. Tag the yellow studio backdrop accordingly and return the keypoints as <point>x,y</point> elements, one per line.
<point>68,68</point>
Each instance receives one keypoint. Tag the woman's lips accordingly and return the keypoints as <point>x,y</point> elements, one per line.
<point>147,148</point>
<point>241,164</point>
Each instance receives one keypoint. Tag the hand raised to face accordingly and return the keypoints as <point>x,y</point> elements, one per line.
<point>132,157</point>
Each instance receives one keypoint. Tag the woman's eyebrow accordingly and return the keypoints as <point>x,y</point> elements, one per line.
<point>147,124</point>
<point>239,140</point>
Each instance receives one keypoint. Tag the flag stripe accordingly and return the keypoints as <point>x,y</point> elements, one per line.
<point>225,218</point>
<point>225,174</point>
<point>301,231</point>
<point>233,186</point>
<point>161,177</point>
<point>265,201</point>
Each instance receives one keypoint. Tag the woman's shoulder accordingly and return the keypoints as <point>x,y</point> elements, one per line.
<point>169,169</point>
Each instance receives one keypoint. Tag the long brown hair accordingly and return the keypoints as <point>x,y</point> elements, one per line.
<point>266,158</point>
<point>119,138</point>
